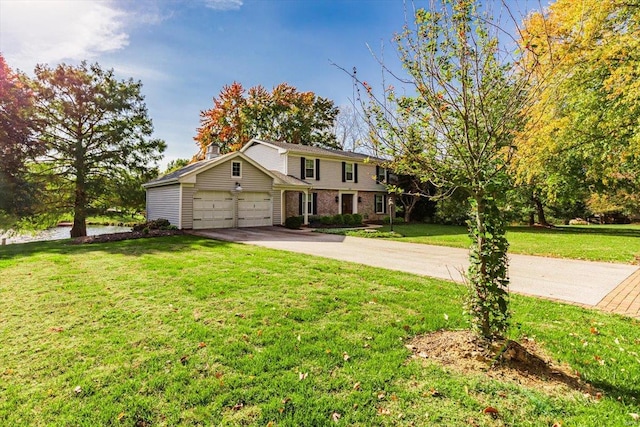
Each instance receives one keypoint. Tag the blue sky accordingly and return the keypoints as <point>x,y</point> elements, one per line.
<point>185,51</point>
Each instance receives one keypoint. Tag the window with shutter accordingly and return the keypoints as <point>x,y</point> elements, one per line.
<point>309,168</point>
<point>349,173</point>
<point>380,203</point>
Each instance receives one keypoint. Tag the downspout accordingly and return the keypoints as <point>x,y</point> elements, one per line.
<point>180,209</point>
<point>305,209</point>
<point>282,207</point>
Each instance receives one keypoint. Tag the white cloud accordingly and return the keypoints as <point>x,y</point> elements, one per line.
<point>51,31</point>
<point>140,72</point>
<point>223,4</point>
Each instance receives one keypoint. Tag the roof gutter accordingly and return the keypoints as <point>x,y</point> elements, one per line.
<point>161,183</point>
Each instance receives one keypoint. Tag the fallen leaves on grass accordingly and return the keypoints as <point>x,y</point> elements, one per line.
<point>383,411</point>
<point>491,411</point>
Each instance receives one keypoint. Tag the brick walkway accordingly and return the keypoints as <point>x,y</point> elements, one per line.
<point>625,298</point>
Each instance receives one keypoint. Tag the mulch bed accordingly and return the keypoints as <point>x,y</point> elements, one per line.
<point>115,237</point>
<point>523,364</point>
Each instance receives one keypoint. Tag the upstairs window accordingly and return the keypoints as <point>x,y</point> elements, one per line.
<point>348,172</point>
<point>382,175</point>
<point>309,168</point>
<point>236,169</point>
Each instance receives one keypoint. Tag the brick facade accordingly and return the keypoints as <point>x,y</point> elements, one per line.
<point>326,204</point>
<point>366,206</point>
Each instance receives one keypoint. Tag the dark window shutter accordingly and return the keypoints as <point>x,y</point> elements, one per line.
<point>344,172</point>
<point>315,204</point>
<point>317,169</point>
<point>300,204</point>
<point>385,201</point>
<point>302,167</point>
<point>377,174</point>
<point>386,175</point>
<point>355,173</point>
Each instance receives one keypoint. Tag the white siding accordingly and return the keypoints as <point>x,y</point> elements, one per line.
<point>164,202</point>
<point>331,175</point>
<point>277,207</point>
<point>187,206</point>
<point>267,157</point>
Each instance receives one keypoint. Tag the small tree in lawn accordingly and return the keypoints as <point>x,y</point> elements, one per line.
<point>453,124</point>
<point>95,130</point>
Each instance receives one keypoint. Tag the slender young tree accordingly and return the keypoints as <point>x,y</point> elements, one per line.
<point>452,122</point>
<point>95,129</point>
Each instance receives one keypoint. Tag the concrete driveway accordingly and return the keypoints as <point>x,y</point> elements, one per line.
<point>581,282</point>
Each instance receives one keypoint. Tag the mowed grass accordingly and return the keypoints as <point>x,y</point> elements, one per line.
<point>610,243</point>
<point>188,331</point>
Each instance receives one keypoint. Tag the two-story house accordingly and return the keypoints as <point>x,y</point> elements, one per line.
<point>265,183</point>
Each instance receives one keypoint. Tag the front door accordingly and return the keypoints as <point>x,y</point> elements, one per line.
<point>347,204</point>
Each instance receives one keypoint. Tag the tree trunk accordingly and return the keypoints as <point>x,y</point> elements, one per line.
<point>488,269</point>
<point>408,207</point>
<point>542,219</point>
<point>532,219</point>
<point>79,228</point>
<point>479,281</point>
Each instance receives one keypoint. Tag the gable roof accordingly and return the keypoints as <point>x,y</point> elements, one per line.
<point>286,147</point>
<point>175,175</point>
<point>188,173</point>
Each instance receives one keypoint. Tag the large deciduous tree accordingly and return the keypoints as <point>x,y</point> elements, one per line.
<point>583,136</point>
<point>284,114</point>
<point>17,141</point>
<point>452,122</point>
<point>95,129</point>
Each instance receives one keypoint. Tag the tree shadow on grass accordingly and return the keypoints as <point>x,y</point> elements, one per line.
<point>430,230</point>
<point>623,231</point>
<point>133,248</point>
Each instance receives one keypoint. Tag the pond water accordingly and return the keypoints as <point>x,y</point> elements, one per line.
<point>63,232</point>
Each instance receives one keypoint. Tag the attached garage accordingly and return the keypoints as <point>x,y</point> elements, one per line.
<point>213,209</point>
<point>227,191</point>
<point>255,209</point>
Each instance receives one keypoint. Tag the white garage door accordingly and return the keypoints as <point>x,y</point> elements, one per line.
<point>212,209</point>
<point>254,209</point>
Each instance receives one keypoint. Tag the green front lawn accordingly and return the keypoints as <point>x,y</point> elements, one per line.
<point>611,243</point>
<point>188,331</point>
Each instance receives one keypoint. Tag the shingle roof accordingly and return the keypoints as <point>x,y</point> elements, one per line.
<point>173,176</point>
<point>308,149</point>
<point>290,180</point>
<point>177,173</point>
